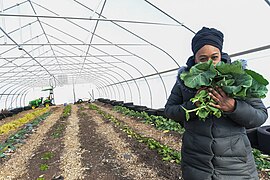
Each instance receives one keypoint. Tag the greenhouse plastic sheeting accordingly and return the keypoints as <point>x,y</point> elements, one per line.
<point>126,50</point>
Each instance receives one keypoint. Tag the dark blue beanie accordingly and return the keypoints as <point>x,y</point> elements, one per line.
<point>209,36</point>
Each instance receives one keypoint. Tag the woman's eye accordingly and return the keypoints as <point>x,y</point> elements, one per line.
<point>214,57</point>
<point>203,59</point>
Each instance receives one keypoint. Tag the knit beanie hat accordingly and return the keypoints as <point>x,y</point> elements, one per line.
<point>207,36</point>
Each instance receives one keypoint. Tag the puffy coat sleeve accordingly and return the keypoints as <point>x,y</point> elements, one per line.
<point>173,109</point>
<point>250,113</point>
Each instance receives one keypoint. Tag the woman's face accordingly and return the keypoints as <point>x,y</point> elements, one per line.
<point>206,53</point>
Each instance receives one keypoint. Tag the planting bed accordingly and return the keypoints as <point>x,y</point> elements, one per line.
<point>93,142</point>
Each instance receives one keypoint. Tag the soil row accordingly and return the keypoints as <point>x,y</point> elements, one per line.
<point>144,156</point>
<point>87,146</point>
<point>14,167</point>
<point>171,139</point>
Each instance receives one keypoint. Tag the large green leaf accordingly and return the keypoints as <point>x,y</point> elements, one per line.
<point>204,66</point>
<point>240,85</point>
<point>257,90</point>
<point>199,75</point>
<point>256,76</point>
<point>232,89</point>
<point>225,81</point>
<point>242,93</point>
<point>196,80</point>
<point>225,68</point>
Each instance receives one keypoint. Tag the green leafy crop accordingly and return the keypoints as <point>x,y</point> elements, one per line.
<point>43,167</point>
<point>232,78</point>
<point>205,108</point>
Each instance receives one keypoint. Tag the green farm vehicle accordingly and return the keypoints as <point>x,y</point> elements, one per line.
<point>49,101</point>
<point>36,103</point>
<point>39,102</point>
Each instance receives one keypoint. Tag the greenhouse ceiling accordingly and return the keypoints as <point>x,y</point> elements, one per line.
<point>126,49</point>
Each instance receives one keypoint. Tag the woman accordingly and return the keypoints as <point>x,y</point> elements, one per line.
<point>217,148</point>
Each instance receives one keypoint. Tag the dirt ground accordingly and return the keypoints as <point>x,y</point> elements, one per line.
<point>87,146</point>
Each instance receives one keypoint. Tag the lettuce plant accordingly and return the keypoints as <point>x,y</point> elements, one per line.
<point>236,81</point>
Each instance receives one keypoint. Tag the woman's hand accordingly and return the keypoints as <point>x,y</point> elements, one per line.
<point>223,102</point>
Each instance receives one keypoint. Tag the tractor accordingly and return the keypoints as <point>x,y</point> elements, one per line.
<point>36,103</point>
<point>49,101</point>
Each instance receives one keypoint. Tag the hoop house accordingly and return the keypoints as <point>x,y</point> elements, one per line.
<point>123,50</point>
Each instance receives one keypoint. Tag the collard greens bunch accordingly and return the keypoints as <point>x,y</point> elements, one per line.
<point>236,81</point>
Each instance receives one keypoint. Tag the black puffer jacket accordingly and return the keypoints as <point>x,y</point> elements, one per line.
<point>217,148</point>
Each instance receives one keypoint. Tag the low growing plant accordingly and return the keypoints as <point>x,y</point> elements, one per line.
<point>59,130</point>
<point>20,135</point>
<point>159,122</point>
<point>43,167</point>
<point>40,178</point>
<point>47,155</point>
<point>167,153</point>
<point>262,161</point>
<point>66,111</point>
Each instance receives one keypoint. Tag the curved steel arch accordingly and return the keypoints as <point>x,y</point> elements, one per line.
<point>99,59</point>
<point>101,86</point>
<point>24,95</point>
<point>108,77</point>
<point>105,71</point>
<point>26,51</point>
<point>112,81</point>
<point>12,101</point>
<point>166,94</point>
<point>21,96</point>
<point>112,56</point>
<point>147,82</point>
<point>23,90</point>
<point>26,88</point>
<point>20,92</point>
<point>12,85</point>
<point>16,66</point>
<point>126,63</point>
<point>130,32</point>
<point>101,76</point>
<point>114,71</point>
